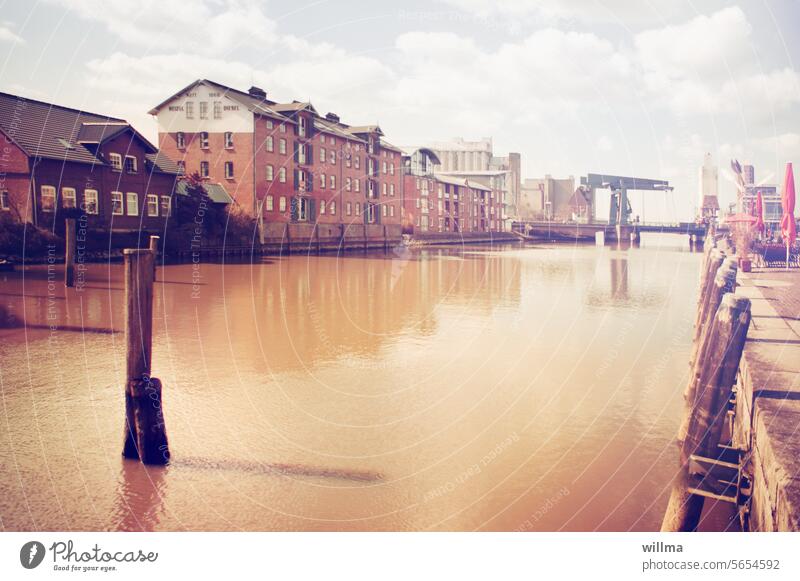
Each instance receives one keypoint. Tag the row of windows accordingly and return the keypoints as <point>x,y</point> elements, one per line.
<point>180,140</point>
<point>131,163</point>
<point>119,203</point>
<point>328,208</point>
<point>217,108</point>
<point>204,170</point>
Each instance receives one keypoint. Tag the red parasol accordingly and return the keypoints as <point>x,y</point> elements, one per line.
<point>759,213</point>
<point>788,226</point>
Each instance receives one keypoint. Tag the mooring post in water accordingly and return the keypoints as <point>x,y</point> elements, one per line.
<point>145,432</point>
<point>69,252</point>
<point>154,240</point>
<point>717,373</point>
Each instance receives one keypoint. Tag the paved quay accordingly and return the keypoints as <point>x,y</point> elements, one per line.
<point>767,420</point>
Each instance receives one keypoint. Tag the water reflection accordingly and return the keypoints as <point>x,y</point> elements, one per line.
<point>139,498</point>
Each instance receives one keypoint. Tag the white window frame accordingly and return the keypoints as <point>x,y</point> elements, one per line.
<point>190,109</point>
<point>322,207</point>
<point>282,146</point>
<point>72,195</point>
<point>91,201</point>
<point>229,170</point>
<point>270,143</point>
<point>229,140</point>
<point>131,199</point>
<point>204,169</point>
<point>348,184</point>
<point>203,108</point>
<point>332,181</point>
<point>332,208</point>
<point>115,159</point>
<point>48,192</point>
<point>322,154</point>
<point>204,140</point>
<point>282,204</point>
<point>180,140</point>
<point>269,203</point>
<point>322,181</point>
<point>217,109</point>
<point>134,166</point>
<point>166,206</point>
<point>117,204</point>
<point>282,175</point>
<point>270,172</point>
<point>152,201</point>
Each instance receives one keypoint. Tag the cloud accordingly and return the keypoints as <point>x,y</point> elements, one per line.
<point>201,26</point>
<point>8,35</point>
<point>604,144</point>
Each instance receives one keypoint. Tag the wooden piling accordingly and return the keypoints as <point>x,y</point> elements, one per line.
<point>69,252</point>
<point>145,432</point>
<point>154,249</point>
<point>718,368</point>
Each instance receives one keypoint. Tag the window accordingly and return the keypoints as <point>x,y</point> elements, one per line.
<point>322,206</point>
<point>349,209</point>
<point>391,189</point>
<point>332,208</point>
<point>217,109</point>
<point>228,170</point>
<point>180,140</point>
<point>385,210</point>
<point>322,181</point>
<point>270,124</point>
<point>203,110</point>
<point>358,162</point>
<point>132,201</point>
<point>282,145</point>
<point>90,201</point>
<point>332,157</point>
<point>322,155</point>
<point>332,140</point>
<point>270,173</point>
<point>348,161</point>
<point>116,203</point>
<point>203,169</point>
<point>165,206</point>
<point>4,201</point>
<point>228,140</point>
<point>383,189</point>
<point>48,198</point>
<point>357,183</point>
<point>332,182</point>
<point>115,160</point>
<point>301,126</point>
<point>181,167</point>
<point>269,204</point>
<point>282,175</point>
<point>68,198</point>
<point>348,184</point>
<point>283,128</point>
<point>152,205</point>
<point>282,204</point>
<point>189,110</point>
<point>391,170</point>
<point>131,165</point>
<point>269,144</point>
<point>204,139</point>
<point>358,208</point>
<point>391,210</point>
<point>385,169</point>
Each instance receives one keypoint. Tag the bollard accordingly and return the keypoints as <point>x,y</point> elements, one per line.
<point>718,370</point>
<point>69,252</point>
<point>145,432</point>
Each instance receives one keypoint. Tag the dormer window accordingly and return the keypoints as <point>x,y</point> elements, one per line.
<point>204,140</point>
<point>115,160</point>
<point>301,126</point>
<point>180,140</point>
<point>130,164</point>
<point>228,140</point>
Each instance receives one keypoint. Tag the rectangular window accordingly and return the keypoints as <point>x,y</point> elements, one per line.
<point>116,203</point>
<point>283,128</point>
<point>322,155</point>
<point>358,162</point>
<point>357,183</point>
<point>132,201</point>
<point>322,181</point>
<point>391,170</point>
<point>180,140</point>
<point>270,145</point>
<point>282,204</point>
<point>322,206</point>
<point>301,126</point>
<point>391,189</point>
<point>332,140</point>
<point>228,140</point>
<point>152,205</point>
<point>68,198</point>
<point>332,157</point>
<point>115,160</point>
<point>358,208</point>
<point>348,184</point>
<point>282,145</point>
<point>203,169</point>
<point>165,206</point>
<point>269,204</point>
<point>189,109</point>
<point>203,110</point>
<point>204,139</point>
<point>48,198</point>
<point>4,205</point>
<point>282,175</point>
<point>270,124</point>
<point>217,109</point>
<point>385,210</point>
<point>228,170</point>
<point>332,208</point>
<point>391,210</point>
<point>270,173</point>
<point>383,189</point>
<point>349,209</point>
<point>90,201</point>
<point>348,160</point>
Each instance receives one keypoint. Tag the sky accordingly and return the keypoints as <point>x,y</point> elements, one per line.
<point>626,87</point>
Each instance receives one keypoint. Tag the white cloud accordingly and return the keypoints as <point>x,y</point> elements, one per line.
<point>8,35</point>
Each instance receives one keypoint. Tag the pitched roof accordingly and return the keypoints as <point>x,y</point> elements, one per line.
<point>46,130</point>
<point>324,125</point>
<point>216,192</point>
<point>294,106</point>
<point>162,163</point>
<point>98,132</point>
<point>361,129</point>
<point>390,147</point>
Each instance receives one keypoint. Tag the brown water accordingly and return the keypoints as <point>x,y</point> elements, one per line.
<point>447,389</point>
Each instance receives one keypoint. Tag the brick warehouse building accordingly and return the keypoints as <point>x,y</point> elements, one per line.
<point>57,159</point>
<point>446,203</point>
<point>282,162</point>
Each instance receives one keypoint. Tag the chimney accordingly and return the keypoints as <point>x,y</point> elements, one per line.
<point>332,117</point>
<point>257,92</point>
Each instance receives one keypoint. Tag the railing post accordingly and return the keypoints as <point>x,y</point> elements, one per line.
<point>69,252</point>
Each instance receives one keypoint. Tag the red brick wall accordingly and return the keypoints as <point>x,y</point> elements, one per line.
<point>263,158</point>
<point>15,178</point>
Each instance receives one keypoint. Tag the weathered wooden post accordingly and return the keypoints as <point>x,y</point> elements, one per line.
<point>154,249</point>
<point>145,432</point>
<point>718,369</point>
<point>69,252</point>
